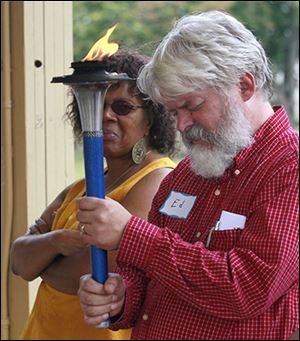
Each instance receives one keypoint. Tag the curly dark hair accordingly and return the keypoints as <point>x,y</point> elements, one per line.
<point>162,135</point>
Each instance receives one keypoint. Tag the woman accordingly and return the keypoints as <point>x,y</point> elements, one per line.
<point>137,135</point>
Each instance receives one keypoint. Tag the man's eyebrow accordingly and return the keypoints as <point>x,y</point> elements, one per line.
<point>187,104</point>
<point>172,108</point>
<point>184,105</point>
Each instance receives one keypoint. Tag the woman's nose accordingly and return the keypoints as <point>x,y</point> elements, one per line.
<point>108,113</point>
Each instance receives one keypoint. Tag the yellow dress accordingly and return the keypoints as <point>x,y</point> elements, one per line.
<point>56,315</point>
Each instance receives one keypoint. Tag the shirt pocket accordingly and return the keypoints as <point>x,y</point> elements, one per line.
<point>224,240</point>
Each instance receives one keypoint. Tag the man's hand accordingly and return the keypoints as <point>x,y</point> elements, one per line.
<point>104,221</point>
<point>101,301</point>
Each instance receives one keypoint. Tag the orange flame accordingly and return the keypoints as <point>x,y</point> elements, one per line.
<point>102,48</point>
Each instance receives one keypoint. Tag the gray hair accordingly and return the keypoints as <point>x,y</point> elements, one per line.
<point>209,49</point>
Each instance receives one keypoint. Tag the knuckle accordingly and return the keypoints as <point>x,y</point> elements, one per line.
<point>89,300</point>
<point>91,311</point>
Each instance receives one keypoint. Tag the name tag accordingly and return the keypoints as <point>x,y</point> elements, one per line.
<point>178,205</point>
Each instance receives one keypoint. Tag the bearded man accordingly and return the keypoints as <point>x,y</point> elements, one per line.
<point>218,259</point>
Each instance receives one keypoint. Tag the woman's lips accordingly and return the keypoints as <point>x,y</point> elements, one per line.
<point>109,135</point>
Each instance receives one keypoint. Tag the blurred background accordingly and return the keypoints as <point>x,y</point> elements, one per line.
<point>142,24</point>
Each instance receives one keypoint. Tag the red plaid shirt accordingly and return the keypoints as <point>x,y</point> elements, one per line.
<point>244,286</point>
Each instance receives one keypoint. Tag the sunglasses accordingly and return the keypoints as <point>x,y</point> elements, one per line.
<point>122,108</point>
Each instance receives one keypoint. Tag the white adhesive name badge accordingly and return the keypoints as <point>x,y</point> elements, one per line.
<point>231,221</point>
<point>178,205</point>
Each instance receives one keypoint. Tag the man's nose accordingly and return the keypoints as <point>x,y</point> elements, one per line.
<point>184,120</point>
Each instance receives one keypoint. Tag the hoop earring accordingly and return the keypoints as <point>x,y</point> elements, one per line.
<point>139,151</point>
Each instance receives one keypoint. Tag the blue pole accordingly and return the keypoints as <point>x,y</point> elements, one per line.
<point>94,175</point>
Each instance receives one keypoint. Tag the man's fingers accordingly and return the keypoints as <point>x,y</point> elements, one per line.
<point>94,311</point>
<point>90,299</point>
<point>116,307</point>
<point>87,283</point>
<point>114,284</point>
<point>88,203</point>
<point>96,320</point>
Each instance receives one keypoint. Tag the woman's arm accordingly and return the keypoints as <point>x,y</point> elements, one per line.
<point>64,272</point>
<point>33,252</point>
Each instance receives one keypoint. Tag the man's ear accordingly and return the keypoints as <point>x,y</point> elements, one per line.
<point>247,86</point>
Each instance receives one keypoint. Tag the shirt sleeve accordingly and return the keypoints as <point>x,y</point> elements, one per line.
<point>136,283</point>
<point>238,284</point>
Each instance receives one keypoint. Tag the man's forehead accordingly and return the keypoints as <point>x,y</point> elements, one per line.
<point>182,100</point>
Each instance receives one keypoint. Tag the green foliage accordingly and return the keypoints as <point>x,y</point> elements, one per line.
<point>276,24</point>
<point>141,24</point>
<point>272,22</point>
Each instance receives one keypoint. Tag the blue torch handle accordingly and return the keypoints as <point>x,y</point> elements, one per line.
<point>94,177</point>
<point>94,174</point>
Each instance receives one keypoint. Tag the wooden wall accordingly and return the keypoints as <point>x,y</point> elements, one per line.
<point>38,151</point>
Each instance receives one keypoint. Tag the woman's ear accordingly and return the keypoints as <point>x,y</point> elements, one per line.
<point>247,86</point>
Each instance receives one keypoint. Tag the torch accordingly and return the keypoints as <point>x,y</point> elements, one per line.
<point>89,83</point>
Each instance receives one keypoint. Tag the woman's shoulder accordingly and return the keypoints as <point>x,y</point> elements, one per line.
<point>152,178</point>
<point>62,197</point>
<point>149,177</point>
<point>158,162</point>
<point>155,170</point>
<point>138,197</point>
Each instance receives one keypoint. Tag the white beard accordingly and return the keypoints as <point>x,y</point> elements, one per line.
<point>234,134</point>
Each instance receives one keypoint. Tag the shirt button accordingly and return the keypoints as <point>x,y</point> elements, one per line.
<point>198,234</point>
<point>145,317</point>
<point>217,192</point>
<point>237,172</point>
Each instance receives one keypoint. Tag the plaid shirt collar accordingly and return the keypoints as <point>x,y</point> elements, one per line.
<point>273,127</point>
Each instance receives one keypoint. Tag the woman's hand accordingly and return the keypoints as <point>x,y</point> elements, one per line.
<point>104,221</point>
<point>67,242</point>
<point>101,301</point>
